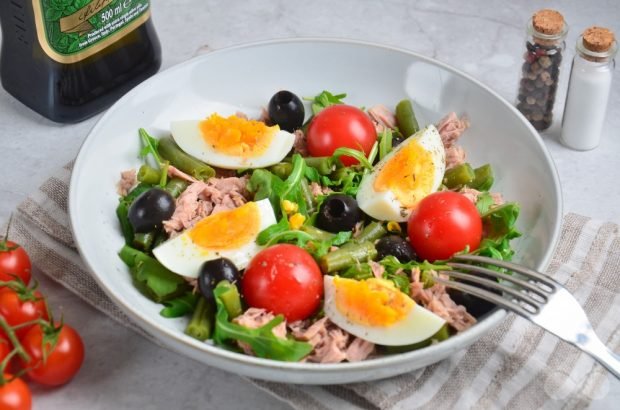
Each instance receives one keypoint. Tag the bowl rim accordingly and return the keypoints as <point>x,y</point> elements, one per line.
<point>173,338</point>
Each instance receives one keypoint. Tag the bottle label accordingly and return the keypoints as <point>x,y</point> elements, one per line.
<point>72,30</point>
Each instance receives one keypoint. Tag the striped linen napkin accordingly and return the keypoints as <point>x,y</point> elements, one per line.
<point>516,366</point>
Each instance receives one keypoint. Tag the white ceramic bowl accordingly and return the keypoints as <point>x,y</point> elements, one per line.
<point>247,76</point>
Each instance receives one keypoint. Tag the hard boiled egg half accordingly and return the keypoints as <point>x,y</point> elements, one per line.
<point>227,234</point>
<point>376,311</point>
<point>232,142</point>
<point>411,171</point>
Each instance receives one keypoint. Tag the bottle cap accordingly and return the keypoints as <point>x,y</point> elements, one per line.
<point>598,39</point>
<point>548,21</point>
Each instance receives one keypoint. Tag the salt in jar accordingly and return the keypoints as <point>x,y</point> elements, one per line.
<point>588,89</point>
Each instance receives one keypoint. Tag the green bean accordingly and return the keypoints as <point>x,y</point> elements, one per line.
<point>132,256</point>
<point>144,241</point>
<point>371,232</point>
<point>149,175</point>
<point>169,150</point>
<point>405,117</point>
<point>200,325</point>
<point>316,233</point>
<point>484,179</point>
<point>341,174</point>
<point>282,169</point>
<point>306,192</point>
<point>230,298</point>
<point>122,213</point>
<point>175,186</point>
<point>359,271</point>
<point>462,174</point>
<point>347,255</point>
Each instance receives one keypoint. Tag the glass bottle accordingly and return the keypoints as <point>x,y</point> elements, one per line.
<point>540,70</point>
<point>588,89</point>
<point>70,59</point>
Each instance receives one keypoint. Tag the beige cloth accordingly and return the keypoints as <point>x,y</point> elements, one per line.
<point>516,366</point>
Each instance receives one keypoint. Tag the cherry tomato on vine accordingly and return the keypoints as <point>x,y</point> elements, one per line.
<point>64,355</point>
<point>283,279</point>
<point>340,126</point>
<point>18,307</point>
<point>14,261</point>
<point>443,224</point>
<point>15,395</point>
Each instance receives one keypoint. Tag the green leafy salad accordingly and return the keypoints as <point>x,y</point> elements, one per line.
<point>313,230</point>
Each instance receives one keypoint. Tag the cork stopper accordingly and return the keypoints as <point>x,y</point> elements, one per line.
<point>548,21</point>
<point>598,39</point>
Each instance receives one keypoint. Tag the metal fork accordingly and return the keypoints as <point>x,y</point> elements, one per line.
<point>534,296</point>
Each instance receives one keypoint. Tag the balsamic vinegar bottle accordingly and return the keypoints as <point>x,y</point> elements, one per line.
<point>70,59</point>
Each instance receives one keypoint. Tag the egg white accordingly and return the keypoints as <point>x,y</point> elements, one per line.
<point>385,205</point>
<point>182,256</point>
<point>188,136</point>
<point>418,325</point>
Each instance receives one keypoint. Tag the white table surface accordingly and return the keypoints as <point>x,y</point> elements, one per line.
<point>124,371</point>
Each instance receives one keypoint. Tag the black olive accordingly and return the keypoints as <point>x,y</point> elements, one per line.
<point>338,213</point>
<point>397,140</point>
<point>475,306</point>
<point>286,110</point>
<point>150,209</point>
<point>396,246</point>
<point>214,271</point>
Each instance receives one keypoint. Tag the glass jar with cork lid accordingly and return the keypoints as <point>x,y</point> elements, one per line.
<point>588,89</point>
<point>540,73</point>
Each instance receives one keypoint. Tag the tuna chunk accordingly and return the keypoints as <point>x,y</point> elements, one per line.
<point>382,117</point>
<point>174,172</point>
<point>202,199</point>
<point>300,145</point>
<point>254,318</point>
<point>437,300</point>
<point>450,128</point>
<point>331,343</point>
<point>455,155</point>
<point>127,182</point>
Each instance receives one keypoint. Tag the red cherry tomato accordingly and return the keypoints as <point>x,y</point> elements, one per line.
<point>15,395</point>
<point>14,261</point>
<point>443,224</point>
<point>64,359</point>
<point>340,126</point>
<point>17,311</point>
<point>283,279</point>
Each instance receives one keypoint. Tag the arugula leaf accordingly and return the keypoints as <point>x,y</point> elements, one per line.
<point>150,145</point>
<point>500,222</point>
<point>265,184</point>
<point>156,281</point>
<point>180,306</point>
<point>324,100</point>
<point>262,340</point>
<point>499,225</point>
<point>266,234</point>
<point>484,203</point>
<point>385,143</point>
<point>358,155</point>
<point>392,265</point>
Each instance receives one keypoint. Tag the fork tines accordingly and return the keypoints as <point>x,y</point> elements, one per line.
<point>512,286</point>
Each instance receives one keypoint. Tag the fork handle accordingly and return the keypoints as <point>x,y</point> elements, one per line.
<point>610,360</point>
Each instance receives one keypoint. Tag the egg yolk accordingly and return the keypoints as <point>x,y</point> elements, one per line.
<point>227,229</point>
<point>237,136</point>
<point>409,174</point>
<point>371,302</point>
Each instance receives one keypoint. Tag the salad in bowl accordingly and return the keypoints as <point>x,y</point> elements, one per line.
<point>310,231</point>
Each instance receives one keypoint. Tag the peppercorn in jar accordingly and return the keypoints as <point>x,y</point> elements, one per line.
<point>546,32</point>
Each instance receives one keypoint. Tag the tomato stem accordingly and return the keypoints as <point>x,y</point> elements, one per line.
<point>8,330</point>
